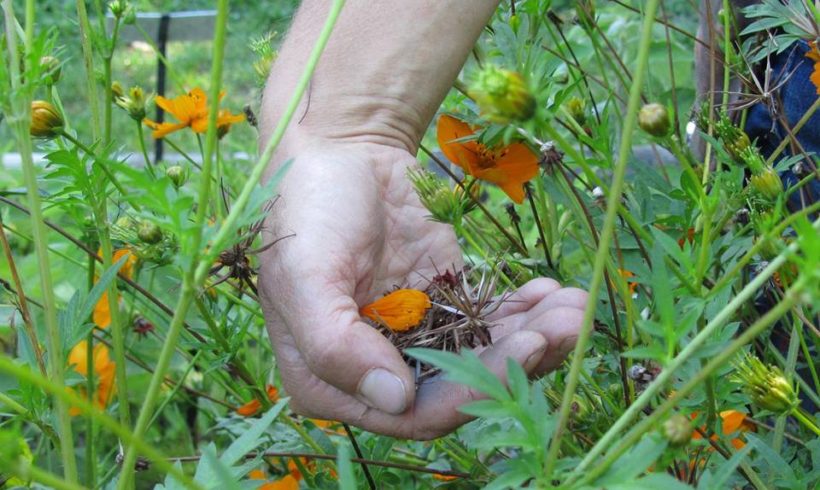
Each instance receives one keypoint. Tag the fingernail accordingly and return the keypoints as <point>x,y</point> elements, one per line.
<point>567,345</point>
<point>534,359</point>
<point>384,391</point>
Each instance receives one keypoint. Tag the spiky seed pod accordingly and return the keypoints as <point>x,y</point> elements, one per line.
<point>766,385</point>
<point>735,140</point>
<point>678,430</point>
<point>654,119</point>
<point>502,95</point>
<point>46,121</point>
<point>445,205</point>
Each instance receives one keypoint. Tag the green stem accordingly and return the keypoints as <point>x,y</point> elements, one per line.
<point>107,80</point>
<point>688,352</point>
<point>602,255</point>
<point>803,419</point>
<point>88,61</point>
<point>792,298</point>
<point>196,274</point>
<point>21,108</point>
<point>69,398</point>
<point>90,462</point>
<point>27,472</point>
<point>144,150</point>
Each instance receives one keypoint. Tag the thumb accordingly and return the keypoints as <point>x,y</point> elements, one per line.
<point>345,352</point>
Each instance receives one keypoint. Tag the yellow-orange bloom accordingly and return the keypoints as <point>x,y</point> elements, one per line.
<point>509,167</point>
<point>400,311</point>
<point>814,55</point>
<point>633,286</point>
<point>254,405</point>
<point>102,312</point>
<point>103,373</point>
<point>732,421</point>
<point>191,110</point>
<point>287,482</point>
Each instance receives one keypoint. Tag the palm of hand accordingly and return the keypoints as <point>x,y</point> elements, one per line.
<point>359,230</point>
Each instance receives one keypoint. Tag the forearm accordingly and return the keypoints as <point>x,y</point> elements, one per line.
<point>385,70</point>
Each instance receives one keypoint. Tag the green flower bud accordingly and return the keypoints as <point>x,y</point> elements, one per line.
<point>654,119</point>
<point>678,430</point>
<point>734,139</point>
<point>515,23</point>
<point>177,174</point>
<point>46,121</point>
<point>575,108</point>
<point>149,232</point>
<point>766,385</point>
<point>51,69</point>
<point>133,103</point>
<point>502,95</point>
<point>767,183</point>
<point>445,205</point>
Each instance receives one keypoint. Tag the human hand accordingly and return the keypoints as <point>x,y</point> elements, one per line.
<point>359,230</point>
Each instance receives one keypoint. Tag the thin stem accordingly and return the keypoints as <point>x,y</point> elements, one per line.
<point>88,62</point>
<point>370,482</point>
<point>144,150</point>
<point>792,298</point>
<point>197,273</point>
<point>807,422</point>
<point>797,127</point>
<point>21,109</point>
<point>100,163</point>
<point>26,471</point>
<point>602,255</point>
<point>22,304</point>
<point>688,352</point>
<point>24,374</point>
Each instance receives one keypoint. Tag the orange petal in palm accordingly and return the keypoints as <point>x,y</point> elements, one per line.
<point>400,310</point>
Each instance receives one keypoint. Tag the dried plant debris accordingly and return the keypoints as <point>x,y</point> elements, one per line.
<point>456,317</point>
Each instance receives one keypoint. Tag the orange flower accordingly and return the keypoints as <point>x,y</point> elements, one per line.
<point>103,373</point>
<point>399,311</point>
<point>440,477</point>
<point>254,405</point>
<point>690,237</point>
<point>287,482</point>
<point>191,110</point>
<point>509,167</point>
<point>732,421</point>
<point>814,55</point>
<point>102,312</point>
<point>633,286</point>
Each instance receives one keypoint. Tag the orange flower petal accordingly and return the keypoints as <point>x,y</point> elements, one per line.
<point>253,406</point>
<point>102,312</point>
<point>256,474</point>
<point>399,311</point>
<point>440,477</point>
<point>463,154</point>
<point>104,370</point>
<point>287,482</point>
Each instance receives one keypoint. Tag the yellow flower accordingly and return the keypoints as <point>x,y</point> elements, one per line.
<point>102,312</point>
<point>191,110</point>
<point>400,311</point>
<point>103,373</point>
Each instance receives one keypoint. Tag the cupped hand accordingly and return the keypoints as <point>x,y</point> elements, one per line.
<point>359,230</point>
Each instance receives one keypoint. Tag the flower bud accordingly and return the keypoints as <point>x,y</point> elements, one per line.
<point>149,232</point>
<point>177,175</point>
<point>678,430</point>
<point>575,108</point>
<point>654,119</point>
<point>46,122</point>
<point>515,23</point>
<point>134,103</point>
<point>51,69</point>
<point>766,385</point>
<point>445,205</point>
<point>767,183</point>
<point>502,95</point>
<point>118,7</point>
<point>735,141</point>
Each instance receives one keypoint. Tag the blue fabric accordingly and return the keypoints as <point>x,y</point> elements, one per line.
<point>797,95</point>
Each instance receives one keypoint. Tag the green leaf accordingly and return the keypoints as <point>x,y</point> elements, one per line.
<point>466,369</point>
<point>708,481</point>
<point>485,408</point>
<point>249,440</point>
<point>636,461</point>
